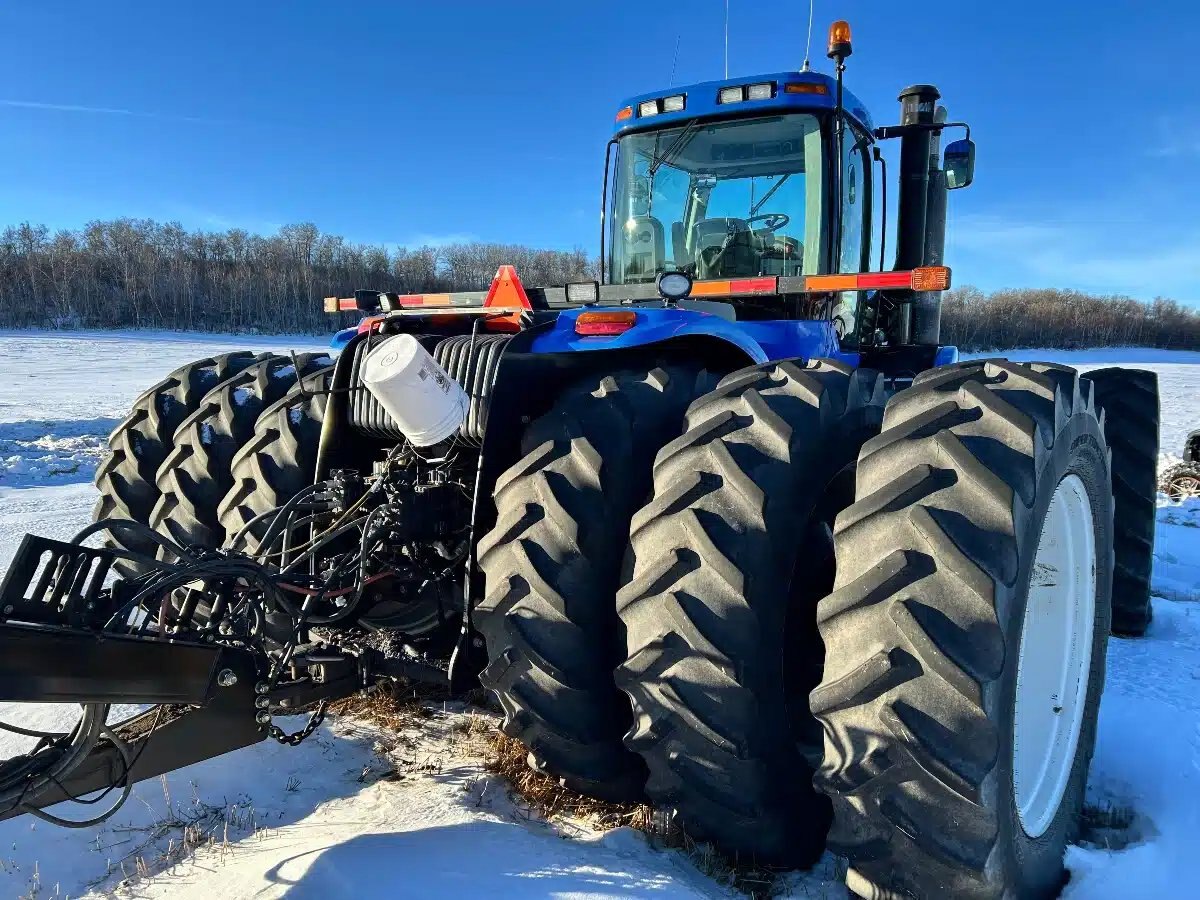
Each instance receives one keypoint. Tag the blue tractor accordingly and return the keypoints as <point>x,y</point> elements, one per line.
<point>728,530</point>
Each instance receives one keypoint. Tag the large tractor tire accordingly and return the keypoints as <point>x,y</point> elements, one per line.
<point>965,638</point>
<point>196,475</point>
<point>277,462</point>
<point>1129,400</point>
<point>140,444</point>
<point>727,563</point>
<point>552,565</point>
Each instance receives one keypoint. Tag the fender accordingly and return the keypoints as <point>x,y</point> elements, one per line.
<point>760,341</point>
<point>343,337</point>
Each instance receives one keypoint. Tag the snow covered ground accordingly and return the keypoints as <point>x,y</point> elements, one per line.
<point>358,811</point>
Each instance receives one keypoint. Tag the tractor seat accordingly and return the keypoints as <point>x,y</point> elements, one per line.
<point>726,248</point>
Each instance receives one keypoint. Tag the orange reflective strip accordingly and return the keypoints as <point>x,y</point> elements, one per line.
<point>710,289</point>
<point>423,300</point>
<point>821,283</point>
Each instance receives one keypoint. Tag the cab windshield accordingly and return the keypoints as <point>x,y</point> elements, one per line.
<point>718,200</point>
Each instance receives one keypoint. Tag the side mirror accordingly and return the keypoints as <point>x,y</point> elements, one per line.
<point>959,164</point>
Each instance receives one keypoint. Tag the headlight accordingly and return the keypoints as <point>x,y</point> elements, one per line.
<point>583,292</point>
<point>673,285</point>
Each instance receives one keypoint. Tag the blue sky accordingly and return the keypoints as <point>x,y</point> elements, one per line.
<point>404,122</point>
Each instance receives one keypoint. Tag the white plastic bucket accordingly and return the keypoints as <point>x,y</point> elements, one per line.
<point>425,402</point>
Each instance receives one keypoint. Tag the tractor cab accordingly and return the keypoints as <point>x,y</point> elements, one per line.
<point>739,179</point>
<point>767,182</point>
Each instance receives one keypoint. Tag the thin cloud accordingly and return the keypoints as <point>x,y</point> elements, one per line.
<point>1116,257</point>
<point>1177,136</point>
<point>103,111</point>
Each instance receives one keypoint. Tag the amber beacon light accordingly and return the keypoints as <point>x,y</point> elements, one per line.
<point>839,40</point>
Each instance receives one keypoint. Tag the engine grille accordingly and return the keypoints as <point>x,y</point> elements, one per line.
<point>473,367</point>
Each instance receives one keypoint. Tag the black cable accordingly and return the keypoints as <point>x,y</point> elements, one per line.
<point>360,581</point>
<point>130,525</point>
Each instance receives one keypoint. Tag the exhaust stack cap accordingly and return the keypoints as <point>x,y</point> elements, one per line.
<point>918,103</point>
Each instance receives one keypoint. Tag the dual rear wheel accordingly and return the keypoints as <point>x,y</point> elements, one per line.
<point>913,620</point>
<point>181,460</point>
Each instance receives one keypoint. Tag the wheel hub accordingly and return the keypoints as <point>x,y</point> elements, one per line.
<point>1054,656</point>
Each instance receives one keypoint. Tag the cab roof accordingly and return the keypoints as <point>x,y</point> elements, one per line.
<point>812,91</point>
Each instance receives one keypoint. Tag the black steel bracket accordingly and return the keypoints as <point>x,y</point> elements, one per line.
<point>184,735</point>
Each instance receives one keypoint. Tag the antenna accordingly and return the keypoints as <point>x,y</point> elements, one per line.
<point>726,38</point>
<point>675,60</point>
<point>808,43</point>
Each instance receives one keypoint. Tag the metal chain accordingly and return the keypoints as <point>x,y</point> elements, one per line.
<point>314,722</point>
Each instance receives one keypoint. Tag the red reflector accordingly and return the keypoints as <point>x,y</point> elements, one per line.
<point>368,323</point>
<point>765,285</point>
<point>598,323</point>
<point>873,280</point>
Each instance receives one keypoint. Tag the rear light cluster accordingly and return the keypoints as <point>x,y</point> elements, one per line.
<point>674,103</point>
<point>764,90</point>
<point>605,323</point>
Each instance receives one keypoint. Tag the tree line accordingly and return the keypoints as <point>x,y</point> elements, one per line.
<point>144,274</point>
<point>1051,317</point>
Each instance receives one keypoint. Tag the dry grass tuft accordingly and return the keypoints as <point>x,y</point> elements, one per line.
<point>408,706</point>
<point>394,706</point>
<point>544,795</point>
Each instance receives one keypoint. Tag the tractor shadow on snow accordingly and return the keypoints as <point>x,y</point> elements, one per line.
<point>485,859</point>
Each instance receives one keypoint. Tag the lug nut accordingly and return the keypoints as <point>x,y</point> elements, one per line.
<point>262,702</point>
<point>263,718</point>
<point>227,678</point>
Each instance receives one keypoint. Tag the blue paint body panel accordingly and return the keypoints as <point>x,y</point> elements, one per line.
<point>701,102</point>
<point>759,340</point>
<point>342,338</point>
<point>945,356</point>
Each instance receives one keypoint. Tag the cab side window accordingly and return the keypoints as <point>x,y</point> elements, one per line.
<point>856,199</point>
<point>855,251</point>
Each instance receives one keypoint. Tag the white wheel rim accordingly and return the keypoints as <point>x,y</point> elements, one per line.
<point>1054,657</point>
<point>1185,486</point>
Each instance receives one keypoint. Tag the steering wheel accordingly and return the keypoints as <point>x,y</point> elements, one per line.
<point>771,221</point>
